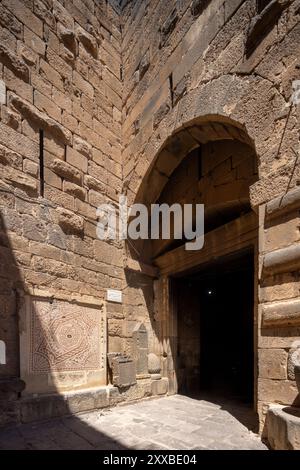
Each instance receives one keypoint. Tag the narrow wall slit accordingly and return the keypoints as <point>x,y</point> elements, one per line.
<point>42,180</point>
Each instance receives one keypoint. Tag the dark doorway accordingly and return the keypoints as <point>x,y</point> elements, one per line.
<point>215,330</point>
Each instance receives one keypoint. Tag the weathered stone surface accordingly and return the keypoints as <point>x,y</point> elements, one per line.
<point>168,26</point>
<point>14,63</point>
<point>281,314</point>
<point>262,23</point>
<point>51,406</point>
<point>82,146</point>
<point>34,229</point>
<point>20,179</point>
<point>198,6</point>
<point>69,221</point>
<point>293,362</point>
<point>88,41</point>
<point>283,427</point>
<point>140,338</point>
<point>8,20</point>
<point>68,38</point>
<point>93,183</point>
<point>74,189</point>
<point>153,115</point>
<point>66,170</point>
<point>282,260</point>
<point>34,42</point>
<point>281,391</point>
<point>159,387</point>
<point>30,167</point>
<point>76,159</point>
<point>160,114</point>
<point>123,370</point>
<point>272,364</point>
<point>144,64</point>
<point>288,202</point>
<point>41,119</point>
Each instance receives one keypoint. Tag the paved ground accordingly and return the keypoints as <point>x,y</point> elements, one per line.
<point>175,422</point>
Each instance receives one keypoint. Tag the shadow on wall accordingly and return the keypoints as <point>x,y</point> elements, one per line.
<point>71,432</point>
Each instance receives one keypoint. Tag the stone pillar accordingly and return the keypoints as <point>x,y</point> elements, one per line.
<point>140,340</point>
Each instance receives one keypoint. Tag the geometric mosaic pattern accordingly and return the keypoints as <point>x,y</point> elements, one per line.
<point>65,337</point>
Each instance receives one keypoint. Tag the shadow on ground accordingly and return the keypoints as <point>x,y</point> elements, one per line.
<point>169,423</point>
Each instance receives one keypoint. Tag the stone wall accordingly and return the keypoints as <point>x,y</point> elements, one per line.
<point>92,98</point>
<point>60,157</point>
<point>192,60</point>
<point>279,302</point>
<point>232,62</point>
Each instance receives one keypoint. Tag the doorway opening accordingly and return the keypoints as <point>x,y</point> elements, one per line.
<point>215,321</point>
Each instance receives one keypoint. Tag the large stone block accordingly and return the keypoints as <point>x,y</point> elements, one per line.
<point>283,427</point>
<point>281,314</point>
<point>8,20</point>
<point>77,159</point>
<point>140,339</point>
<point>34,42</point>
<point>41,119</point>
<point>69,221</point>
<point>14,63</point>
<point>66,170</point>
<point>272,363</point>
<point>159,387</point>
<point>123,370</point>
<point>25,15</point>
<point>279,391</point>
<point>34,229</point>
<point>88,41</point>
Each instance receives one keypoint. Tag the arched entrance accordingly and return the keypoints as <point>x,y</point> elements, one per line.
<point>205,300</point>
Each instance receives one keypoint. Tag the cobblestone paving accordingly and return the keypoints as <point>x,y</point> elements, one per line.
<point>175,422</point>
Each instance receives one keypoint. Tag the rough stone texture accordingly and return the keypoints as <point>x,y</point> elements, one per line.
<point>69,221</point>
<point>153,364</point>
<point>187,424</point>
<point>140,338</point>
<point>53,100</point>
<point>273,363</point>
<point>293,362</point>
<point>123,370</point>
<point>97,108</point>
<point>283,427</point>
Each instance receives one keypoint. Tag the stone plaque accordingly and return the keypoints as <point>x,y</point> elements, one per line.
<point>140,341</point>
<point>114,296</point>
<point>61,340</point>
<point>123,369</point>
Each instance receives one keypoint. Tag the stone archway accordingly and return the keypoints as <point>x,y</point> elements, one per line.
<point>256,109</point>
<point>239,233</point>
<point>192,135</point>
<point>250,104</point>
<point>181,143</point>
